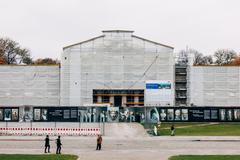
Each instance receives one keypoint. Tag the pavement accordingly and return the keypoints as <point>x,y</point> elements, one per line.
<point>128,141</point>
<point>127,148</point>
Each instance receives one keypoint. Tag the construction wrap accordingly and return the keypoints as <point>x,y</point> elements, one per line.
<point>29,85</point>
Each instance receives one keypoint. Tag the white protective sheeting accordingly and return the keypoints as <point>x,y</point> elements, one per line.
<point>29,85</point>
<point>214,85</point>
<point>116,60</point>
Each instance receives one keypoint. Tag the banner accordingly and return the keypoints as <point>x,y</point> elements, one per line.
<point>158,93</point>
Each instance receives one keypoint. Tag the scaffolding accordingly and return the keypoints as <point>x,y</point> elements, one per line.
<point>115,60</point>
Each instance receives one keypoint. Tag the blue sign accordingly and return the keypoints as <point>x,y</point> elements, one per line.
<point>158,85</point>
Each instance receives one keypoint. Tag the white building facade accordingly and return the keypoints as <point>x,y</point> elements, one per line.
<point>22,87</point>
<point>214,86</point>
<point>29,85</point>
<point>119,77</point>
<point>115,68</point>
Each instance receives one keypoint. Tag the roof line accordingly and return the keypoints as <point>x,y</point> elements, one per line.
<point>153,42</point>
<point>117,31</point>
<point>230,65</point>
<point>83,42</point>
<point>23,65</point>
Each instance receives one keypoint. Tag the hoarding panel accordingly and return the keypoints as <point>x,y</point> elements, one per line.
<point>158,93</point>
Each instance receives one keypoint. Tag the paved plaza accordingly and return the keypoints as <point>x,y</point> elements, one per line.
<point>114,148</point>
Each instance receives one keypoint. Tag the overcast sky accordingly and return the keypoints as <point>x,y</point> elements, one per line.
<point>45,26</point>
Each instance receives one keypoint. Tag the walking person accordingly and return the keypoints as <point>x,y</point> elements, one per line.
<point>59,145</point>
<point>99,142</point>
<point>172,130</point>
<point>47,144</point>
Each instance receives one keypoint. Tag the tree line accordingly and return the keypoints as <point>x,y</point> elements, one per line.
<point>220,57</point>
<point>12,53</point>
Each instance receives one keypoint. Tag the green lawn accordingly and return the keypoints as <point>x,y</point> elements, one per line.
<point>205,157</point>
<point>195,129</point>
<point>37,157</point>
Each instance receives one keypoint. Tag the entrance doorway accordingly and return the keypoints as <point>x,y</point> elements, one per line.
<point>117,101</point>
<point>119,97</point>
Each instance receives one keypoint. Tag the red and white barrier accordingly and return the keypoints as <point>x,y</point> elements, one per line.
<point>37,131</point>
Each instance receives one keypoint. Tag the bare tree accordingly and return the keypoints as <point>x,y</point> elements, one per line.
<point>46,61</point>
<point>25,56</point>
<point>182,57</point>
<point>224,56</point>
<point>207,60</point>
<point>27,60</point>
<point>12,53</point>
<point>198,57</point>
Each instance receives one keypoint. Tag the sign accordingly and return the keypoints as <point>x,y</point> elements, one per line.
<point>7,113</point>
<point>196,114</point>
<point>161,85</point>
<point>66,114</point>
<point>207,115</point>
<point>203,114</point>
<point>214,114</point>
<point>37,113</point>
<point>74,113</point>
<point>158,93</point>
<point>1,114</point>
<point>56,114</point>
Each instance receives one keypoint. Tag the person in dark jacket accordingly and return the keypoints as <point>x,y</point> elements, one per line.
<point>59,145</point>
<point>172,130</point>
<point>47,144</point>
<point>99,142</point>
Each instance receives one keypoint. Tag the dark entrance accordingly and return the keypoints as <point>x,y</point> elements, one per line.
<point>117,101</point>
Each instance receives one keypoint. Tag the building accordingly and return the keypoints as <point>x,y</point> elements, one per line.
<point>217,86</point>
<point>25,86</point>
<point>119,76</point>
<point>114,68</point>
<point>214,91</point>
